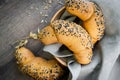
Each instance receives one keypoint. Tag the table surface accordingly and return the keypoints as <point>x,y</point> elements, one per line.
<point>17,19</point>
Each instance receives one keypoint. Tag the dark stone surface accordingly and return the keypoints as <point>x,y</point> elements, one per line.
<point>17,19</point>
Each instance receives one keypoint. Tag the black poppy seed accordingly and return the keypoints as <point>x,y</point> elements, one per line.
<point>44,32</point>
<point>45,79</point>
<point>101,22</point>
<point>97,23</point>
<point>70,5</point>
<point>85,11</point>
<point>77,7</point>
<point>62,31</point>
<point>83,6</point>
<point>83,2</point>
<point>59,26</point>
<point>55,66</point>
<point>95,19</point>
<point>72,9</point>
<point>48,33</point>
<point>79,3</point>
<point>68,1</point>
<point>47,72</point>
<point>57,72</point>
<point>97,13</point>
<point>72,2</point>
<point>99,29</point>
<point>70,30</point>
<point>101,15</point>
<point>71,34</point>
<point>51,71</point>
<point>97,9</point>
<point>56,30</point>
<point>40,73</point>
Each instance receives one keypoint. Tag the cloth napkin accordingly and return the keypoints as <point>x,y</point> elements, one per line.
<point>105,53</point>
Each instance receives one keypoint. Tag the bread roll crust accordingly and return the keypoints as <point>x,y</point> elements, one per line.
<point>47,36</point>
<point>95,25</point>
<point>81,8</point>
<point>75,38</point>
<point>37,67</point>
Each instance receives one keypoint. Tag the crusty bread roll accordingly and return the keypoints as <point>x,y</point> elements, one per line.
<point>81,8</point>
<point>37,67</point>
<point>75,38</point>
<point>90,14</point>
<point>95,25</point>
<point>47,36</point>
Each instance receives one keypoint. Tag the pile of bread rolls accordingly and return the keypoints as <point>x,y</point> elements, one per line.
<point>80,39</point>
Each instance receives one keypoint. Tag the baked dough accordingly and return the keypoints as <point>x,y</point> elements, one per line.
<point>47,36</point>
<point>81,8</point>
<point>37,67</point>
<point>95,25</point>
<point>75,38</point>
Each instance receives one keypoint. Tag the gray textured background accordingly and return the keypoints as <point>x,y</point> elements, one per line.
<point>19,17</point>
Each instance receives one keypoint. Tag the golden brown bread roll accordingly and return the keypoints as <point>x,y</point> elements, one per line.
<point>93,22</point>
<point>75,38</point>
<point>47,36</point>
<point>84,56</point>
<point>95,25</point>
<point>81,8</point>
<point>37,67</point>
<point>91,14</point>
